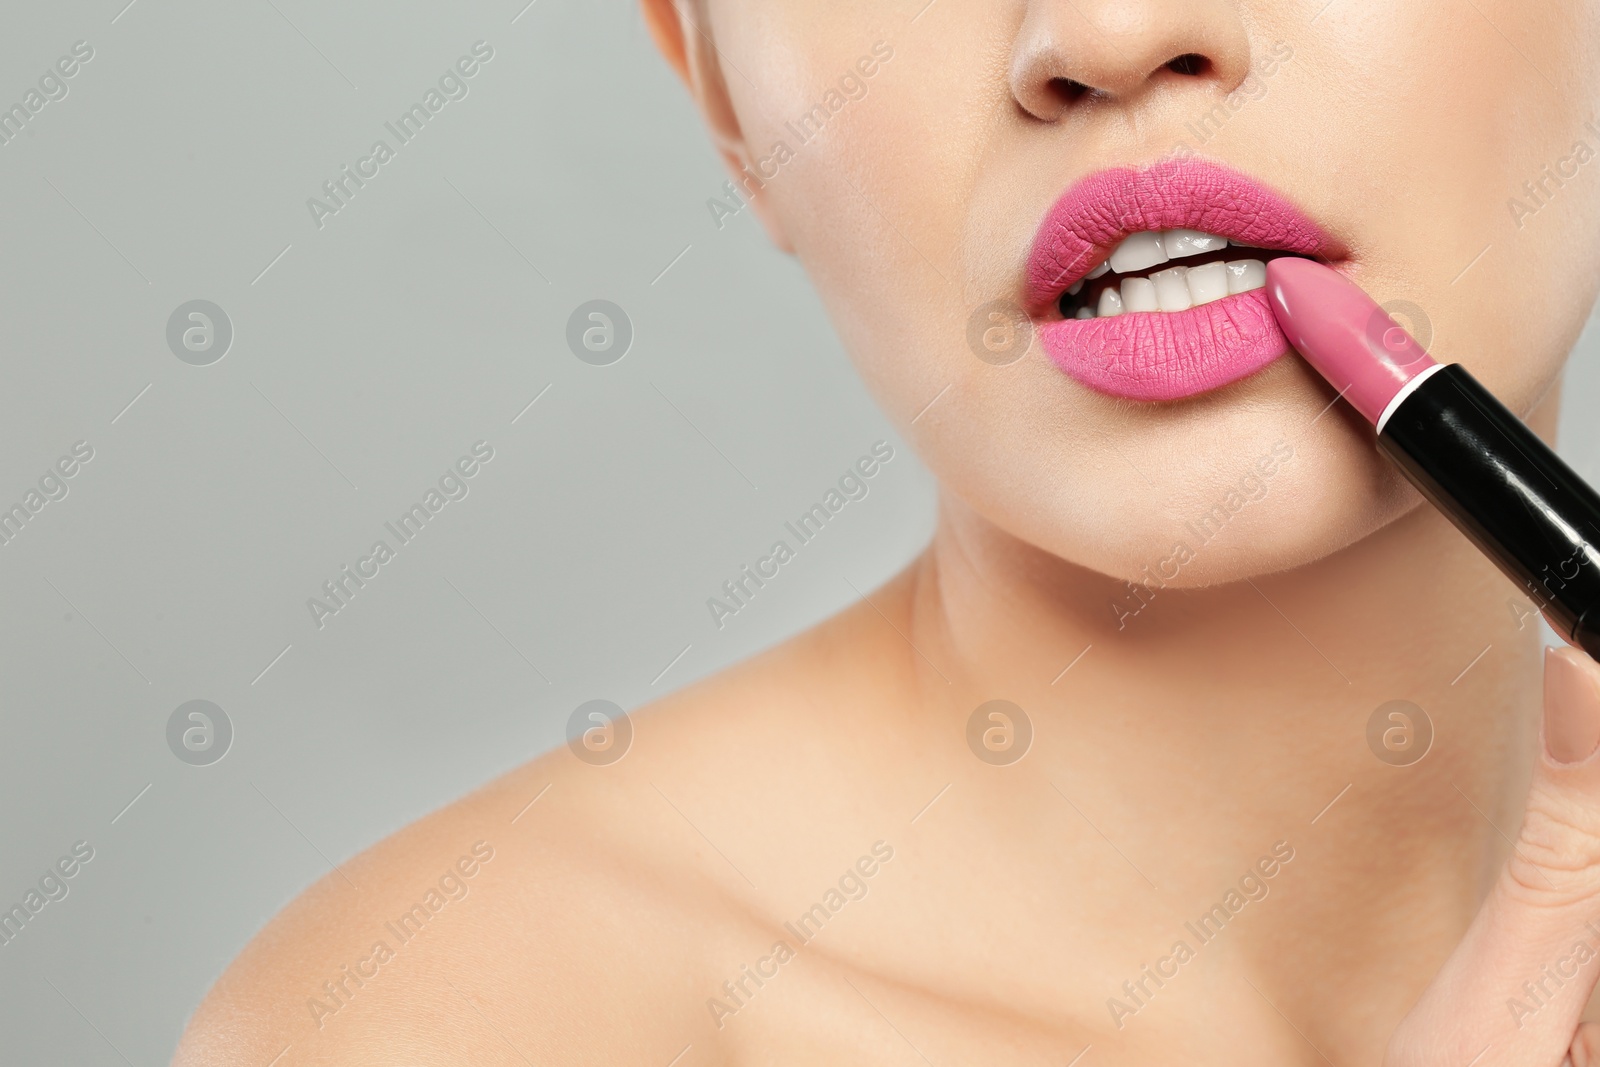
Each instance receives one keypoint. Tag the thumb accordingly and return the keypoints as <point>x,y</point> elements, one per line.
<point>1514,989</point>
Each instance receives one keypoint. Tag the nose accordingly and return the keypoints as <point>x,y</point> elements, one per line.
<point>1067,51</point>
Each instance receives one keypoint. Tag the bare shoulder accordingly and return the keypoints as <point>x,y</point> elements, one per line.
<point>569,909</point>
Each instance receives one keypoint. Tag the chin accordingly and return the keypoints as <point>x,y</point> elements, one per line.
<point>1316,507</point>
<point>1244,482</point>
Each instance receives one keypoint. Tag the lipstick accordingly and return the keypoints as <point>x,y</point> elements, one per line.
<point>1464,450</point>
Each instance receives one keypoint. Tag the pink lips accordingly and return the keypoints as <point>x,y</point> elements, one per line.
<point>1164,355</point>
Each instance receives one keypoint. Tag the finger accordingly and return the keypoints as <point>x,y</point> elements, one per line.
<point>1585,1047</point>
<point>1514,989</point>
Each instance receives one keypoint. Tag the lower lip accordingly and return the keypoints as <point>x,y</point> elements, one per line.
<point>1162,355</point>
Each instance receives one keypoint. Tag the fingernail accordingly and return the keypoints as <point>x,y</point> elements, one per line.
<point>1571,705</point>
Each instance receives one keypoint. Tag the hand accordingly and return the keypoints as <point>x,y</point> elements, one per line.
<point>1541,922</point>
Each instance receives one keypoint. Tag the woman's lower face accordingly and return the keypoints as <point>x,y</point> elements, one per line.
<point>928,163</point>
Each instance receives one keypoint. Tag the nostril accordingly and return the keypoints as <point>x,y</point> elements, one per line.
<point>1189,63</point>
<point>1068,90</point>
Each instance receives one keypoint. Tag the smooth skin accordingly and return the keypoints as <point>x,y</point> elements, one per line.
<point>1178,753</point>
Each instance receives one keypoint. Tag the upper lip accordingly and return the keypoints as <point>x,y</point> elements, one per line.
<point>1088,220</point>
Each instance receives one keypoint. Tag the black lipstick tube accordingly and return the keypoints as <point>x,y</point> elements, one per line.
<point>1507,491</point>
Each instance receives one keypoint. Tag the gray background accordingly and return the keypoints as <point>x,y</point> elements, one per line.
<point>368,356</point>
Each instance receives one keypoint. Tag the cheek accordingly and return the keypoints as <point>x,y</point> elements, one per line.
<point>879,207</point>
<point>1448,139</point>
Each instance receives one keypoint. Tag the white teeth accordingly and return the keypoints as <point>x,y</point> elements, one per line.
<point>1172,289</point>
<point>1245,275</point>
<point>1180,243</point>
<point>1138,294</point>
<point>1177,288</point>
<point>1207,283</point>
<point>1138,251</point>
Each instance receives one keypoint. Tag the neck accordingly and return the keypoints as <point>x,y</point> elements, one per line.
<point>1402,613</point>
<point>1221,720</point>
